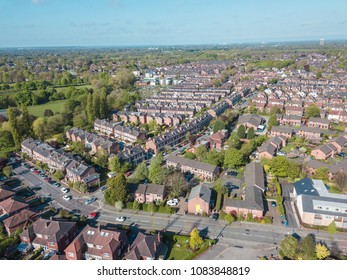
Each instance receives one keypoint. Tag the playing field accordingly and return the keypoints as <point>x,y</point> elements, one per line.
<point>55,106</point>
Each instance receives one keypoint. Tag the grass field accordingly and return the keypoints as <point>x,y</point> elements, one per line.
<point>55,106</point>
<point>60,89</point>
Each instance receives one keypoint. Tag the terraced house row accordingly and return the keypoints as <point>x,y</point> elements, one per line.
<point>59,160</point>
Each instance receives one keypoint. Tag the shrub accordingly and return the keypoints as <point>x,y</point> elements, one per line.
<point>129,205</point>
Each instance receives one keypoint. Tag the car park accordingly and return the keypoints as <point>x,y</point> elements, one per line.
<point>90,200</point>
<point>67,197</point>
<point>120,219</point>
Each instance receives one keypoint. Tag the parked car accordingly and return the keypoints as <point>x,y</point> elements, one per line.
<point>215,216</point>
<point>281,153</point>
<point>120,219</point>
<point>57,185</point>
<point>273,204</point>
<point>342,154</point>
<point>171,203</point>
<point>90,200</point>
<point>67,197</point>
<point>32,169</point>
<point>65,190</point>
<point>104,187</point>
<point>176,200</point>
<point>232,173</point>
<point>92,215</point>
<point>47,179</point>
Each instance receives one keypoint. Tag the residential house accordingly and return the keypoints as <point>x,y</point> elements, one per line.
<point>199,200</point>
<point>145,247</point>
<point>218,139</point>
<point>282,131</point>
<point>253,199</point>
<point>294,111</point>
<point>324,152</point>
<point>319,123</point>
<point>97,244</point>
<point>19,221</point>
<point>49,234</point>
<point>200,169</point>
<point>250,121</point>
<point>11,206</point>
<point>147,193</point>
<point>133,155</point>
<point>81,172</point>
<point>310,133</point>
<point>289,120</point>
<point>5,194</point>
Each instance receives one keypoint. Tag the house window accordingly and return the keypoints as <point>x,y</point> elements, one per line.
<point>106,255</point>
<point>90,245</point>
<point>70,254</point>
<point>98,247</point>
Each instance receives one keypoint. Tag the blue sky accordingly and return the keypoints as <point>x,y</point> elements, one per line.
<point>28,23</point>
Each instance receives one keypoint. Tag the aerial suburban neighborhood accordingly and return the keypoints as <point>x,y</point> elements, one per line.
<point>246,152</point>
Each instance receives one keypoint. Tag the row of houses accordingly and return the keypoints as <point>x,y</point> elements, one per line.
<point>144,118</point>
<point>58,160</point>
<point>314,134</point>
<point>331,149</point>
<point>124,133</point>
<point>62,241</point>
<point>270,148</point>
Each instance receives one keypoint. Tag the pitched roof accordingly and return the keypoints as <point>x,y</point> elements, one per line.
<point>254,175</point>
<point>203,191</point>
<point>4,194</point>
<point>282,129</point>
<point>19,218</point>
<point>192,163</point>
<point>144,246</point>
<point>12,204</point>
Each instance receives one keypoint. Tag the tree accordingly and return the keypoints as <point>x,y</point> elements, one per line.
<point>89,108</point>
<point>151,207</point>
<point>321,173</point>
<point>322,251</point>
<point>48,113</point>
<point>219,188</point>
<point>233,158</point>
<point>275,110</point>
<point>272,121</point>
<point>340,179</point>
<point>156,173</point>
<point>279,166</point>
<point>26,122</point>
<point>289,247</point>
<point>116,189</point>
<point>229,218</point>
<point>250,133</point>
<point>136,205</point>
<point>312,111</point>
<point>308,248</point>
<point>176,183</point>
<point>101,158</point>
<point>115,165</point>
<point>201,152</point>
<point>219,125</point>
<point>78,147</point>
<point>7,171</point>
<point>332,228</point>
<point>195,239</point>
<point>12,120</point>
<point>214,157</point>
<point>55,124</point>
<point>241,131</point>
<point>96,105</point>
<point>123,79</point>
<point>6,143</point>
<point>39,128</point>
<point>59,175</point>
<point>103,105</point>
<point>234,141</point>
<point>189,155</point>
<point>141,172</point>
<point>293,169</point>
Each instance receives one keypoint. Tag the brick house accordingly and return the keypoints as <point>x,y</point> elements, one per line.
<point>199,200</point>
<point>250,121</point>
<point>11,206</point>
<point>310,133</point>
<point>319,123</point>
<point>218,139</point>
<point>281,131</point>
<point>200,169</point>
<point>147,193</point>
<point>80,172</point>
<point>289,120</point>
<point>5,194</point>
<point>50,235</point>
<point>294,111</point>
<point>19,221</point>
<point>97,244</point>
<point>145,247</point>
<point>324,152</point>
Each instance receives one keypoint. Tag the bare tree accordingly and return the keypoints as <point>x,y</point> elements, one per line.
<point>340,179</point>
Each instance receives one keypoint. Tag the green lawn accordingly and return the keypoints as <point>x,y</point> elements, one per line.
<point>55,106</point>
<point>60,89</point>
<point>289,147</point>
<point>179,247</point>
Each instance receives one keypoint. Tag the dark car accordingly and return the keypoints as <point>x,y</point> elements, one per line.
<point>215,216</point>
<point>273,204</point>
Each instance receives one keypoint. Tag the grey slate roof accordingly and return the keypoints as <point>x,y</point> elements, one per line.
<point>203,191</point>
<point>305,186</point>
<point>254,175</point>
<point>282,129</point>
<point>192,163</point>
<point>254,200</point>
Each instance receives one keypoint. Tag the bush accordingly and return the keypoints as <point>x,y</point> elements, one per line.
<point>281,209</point>
<point>165,209</point>
<point>266,220</point>
<point>129,205</point>
<point>222,215</point>
<point>279,200</point>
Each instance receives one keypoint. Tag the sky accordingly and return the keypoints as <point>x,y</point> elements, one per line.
<point>44,23</point>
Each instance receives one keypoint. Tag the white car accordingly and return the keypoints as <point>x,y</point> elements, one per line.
<point>67,197</point>
<point>65,190</point>
<point>176,200</point>
<point>120,219</point>
<point>171,203</point>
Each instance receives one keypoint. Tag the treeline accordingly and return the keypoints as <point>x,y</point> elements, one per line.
<point>261,64</point>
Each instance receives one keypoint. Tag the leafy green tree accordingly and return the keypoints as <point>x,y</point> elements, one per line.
<point>55,124</point>
<point>39,128</point>
<point>332,228</point>
<point>6,143</point>
<point>312,111</point>
<point>219,125</point>
<point>250,133</point>
<point>229,218</point>
<point>48,113</point>
<point>201,152</point>
<point>78,147</point>
<point>321,173</point>
<point>103,105</point>
<point>115,165</point>
<point>289,247</point>
<point>195,239</point>
<point>100,158</point>
<point>136,205</point>
<point>59,175</point>
<point>116,189</point>
<point>7,171</point>
<point>272,121</point>
<point>123,79</point>
<point>322,251</point>
<point>12,120</point>
<point>293,169</point>
<point>241,131</point>
<point>219,188</point>
<point>190,155</point>
<point>90,109</point>
<point>96,105</point>
<point>234,141</point>
<point>156,173</point>
<point>141,172</point>
<point>26,122</point>
<point>279,166</point>
<point>214,157</point>
<point>275,110</point>
<point>151,207</point>
<point>233,158</point>
<point>308,248</point>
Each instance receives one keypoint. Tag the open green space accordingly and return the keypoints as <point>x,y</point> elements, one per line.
<point>55,106</point>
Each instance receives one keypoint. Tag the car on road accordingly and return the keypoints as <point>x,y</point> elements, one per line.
<point>67,197</point>
<point>65,190</point>
<point>90,200</point>
<point>120,219</point>
<point>92,215</point>
<point>32,169</point>
<point>273,204</point>
<point>36,172</point>
<point>281,153</point>
<point>215,216</point>
<point>171,203</point>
